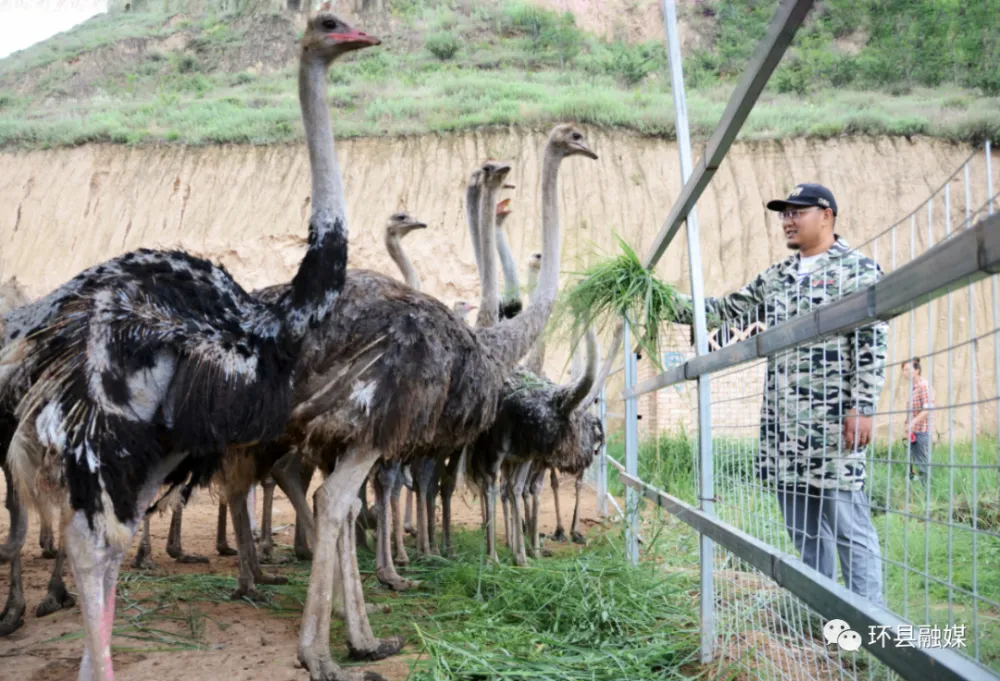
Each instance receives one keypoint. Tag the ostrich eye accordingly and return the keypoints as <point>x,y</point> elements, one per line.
<point>399,217</point>
<point>577,137</point>
<point>329,24</point>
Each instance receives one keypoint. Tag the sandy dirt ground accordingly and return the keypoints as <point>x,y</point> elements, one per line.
<point>239,642</point>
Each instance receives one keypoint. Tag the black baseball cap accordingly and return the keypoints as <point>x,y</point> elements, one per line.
<point>804,195</point>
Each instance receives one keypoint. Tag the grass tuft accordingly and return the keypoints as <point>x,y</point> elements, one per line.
<point>621,287</point>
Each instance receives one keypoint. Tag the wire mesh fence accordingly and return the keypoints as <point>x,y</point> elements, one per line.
<point>913,518</point>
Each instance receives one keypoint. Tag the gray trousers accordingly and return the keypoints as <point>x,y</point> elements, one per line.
<point>822,522</point>
<point>920,454</point>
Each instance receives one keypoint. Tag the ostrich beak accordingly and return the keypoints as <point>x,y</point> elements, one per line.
<point>583,149</point>
<point>416,225</point>
<point>355,39</point>
<point>508,185</point>
<point>503,207</point>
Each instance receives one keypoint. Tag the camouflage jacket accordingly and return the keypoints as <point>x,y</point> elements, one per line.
<point>809,389</point>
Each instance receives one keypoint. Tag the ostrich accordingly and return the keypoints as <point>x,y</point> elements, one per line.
<point>427,471</point>
<point>12,616</point>
<point>538,420</point>
<point>398,226</point>
<point>150,364</point>
<point>438,384</point>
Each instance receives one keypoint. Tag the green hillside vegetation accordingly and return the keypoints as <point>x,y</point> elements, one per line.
<point>858,67</point>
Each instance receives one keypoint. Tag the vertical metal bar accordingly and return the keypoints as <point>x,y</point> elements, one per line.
<point>996,312</point>
<point>602,457</point>
<point>951,431</point>
<point>631,452</point>
<point>707,483</point>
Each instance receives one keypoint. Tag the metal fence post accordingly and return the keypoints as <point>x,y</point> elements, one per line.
<point>602,460</point>
<point>706,478</point>
<point>632,497</point>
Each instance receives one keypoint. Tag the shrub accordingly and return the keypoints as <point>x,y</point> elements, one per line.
<point>443,45</point>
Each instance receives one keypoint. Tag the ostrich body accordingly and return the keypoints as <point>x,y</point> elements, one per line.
<point>438,384</point>
<point>57,597</point>
<point>150,364</point>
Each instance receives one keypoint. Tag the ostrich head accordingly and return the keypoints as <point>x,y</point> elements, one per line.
<point>568,140</point>
<point>535,262</point>
<point>401,224</point>
<point>494,174</point>
<point>328,36</point>
<point>462,308</point>
<point>503,210</point>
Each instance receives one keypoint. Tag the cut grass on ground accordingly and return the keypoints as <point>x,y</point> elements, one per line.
<point>579,614</point>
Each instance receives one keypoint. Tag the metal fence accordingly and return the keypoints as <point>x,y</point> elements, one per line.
<point>922,599</point>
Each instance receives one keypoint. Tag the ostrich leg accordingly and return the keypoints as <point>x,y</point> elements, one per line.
<point>560,533</point>
<point>433,486</point>
<point>383,482</point>
<point>95,567</point>
<point>573,532</point>
<point>535,545</point>
<point>505,486</point>
<point>46,539</point>
<point>57,596</point>
<point>250,572</point>
<point>334,501</point>
<point>521,473</point>
<point>174,549</point>
<point>423,471</point>
<point>448,481</point>
<point>12,616</point>
<point>144,554</point>
<point>408,514</point>
<point>363,521</point>
<point>18,522</point>
<point>222,546</point>
<point>293,476</point>
<point>400,556</point>
<point>266,541</point>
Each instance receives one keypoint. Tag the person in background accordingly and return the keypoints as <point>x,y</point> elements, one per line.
<point>819,400</point>
<point>917,428</point>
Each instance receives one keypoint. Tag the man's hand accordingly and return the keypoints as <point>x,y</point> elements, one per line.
<point>857,430</point>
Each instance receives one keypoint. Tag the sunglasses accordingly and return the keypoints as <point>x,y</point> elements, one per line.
<point>794,214</point>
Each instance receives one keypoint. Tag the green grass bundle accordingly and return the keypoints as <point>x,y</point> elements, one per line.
<point>622,287</point>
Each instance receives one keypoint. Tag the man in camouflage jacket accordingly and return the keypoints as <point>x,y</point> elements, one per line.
<point>816,416</point>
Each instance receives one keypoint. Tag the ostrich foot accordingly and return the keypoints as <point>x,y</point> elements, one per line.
<point>12,619</point>
<point>546,553</point>
<point>559,535</point>
<point>264,578</point>
<point>375,609</point>
<point>47,543</point>
<point>54,601</point>
<point>226,550</point>
<point>190,559</point>
<point>409,529</point>
<point>322,668</point>
<point>401,559</point>
<point>251,593</point>
<point>379,650</point>
<point>303,553</point>
<point>579,539</point>
<point>143,560</point>
<point>394,581</point>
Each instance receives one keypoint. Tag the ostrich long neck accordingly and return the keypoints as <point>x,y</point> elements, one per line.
<point>535,361</point>
<point>602,376</point>
<point>511,284</point>
<point>490,298</point>
<point>573,394</point>
<point>472,193</point>
<point>398,255</point>
<point>511,340</point>
<point>321,275</point>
